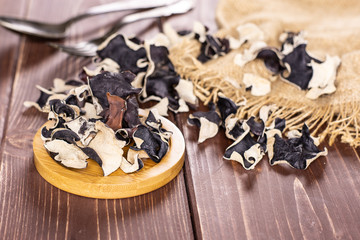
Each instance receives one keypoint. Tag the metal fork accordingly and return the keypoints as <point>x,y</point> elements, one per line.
<point>58,31</point>
<point>88,48</point>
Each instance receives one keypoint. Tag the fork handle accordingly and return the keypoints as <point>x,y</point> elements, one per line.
<point>179,7</point>
<point>120,6</point>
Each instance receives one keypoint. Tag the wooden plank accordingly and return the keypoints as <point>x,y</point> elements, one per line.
<point>271,202</point>
<point>8,53</point>
<point>30,208</point>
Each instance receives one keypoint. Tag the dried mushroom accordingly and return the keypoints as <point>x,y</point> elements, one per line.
<point>62,86</point>
<point>298,67</point>
<point>161,107</point>
<point>134,156</point>
<point>259,86</point>
<point>295,65</point>
<point>249,54</point>
<point>208,122</point>
<point>248,32</point>
<point>66,153</point>
<point>213,47</point>
<point>233,127</point>
<point>117,108</point>
<point>323,78</point>
<point>129,167</point>
<point>106,65</point>
<point>107,147</point>
<point>42,104</point>
<point>245,150</point>
<point>297,152</point>
<point>129,54</point>
<point>150,142</point>
<point>226,106</point>
<point>131,115</point>
<point>84,129</point>
<point>256,128</point>
<point>154,123</point>
<point>60,108</point>
<point>185,89</point>
<point>272,59</point>
<point>78,96</point>
<point>161,78</point>
<point>118,84</point>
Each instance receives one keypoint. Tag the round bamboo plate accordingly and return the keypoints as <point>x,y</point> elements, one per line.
<point>90,182</point>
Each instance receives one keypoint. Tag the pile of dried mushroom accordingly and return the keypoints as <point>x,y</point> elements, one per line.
<point>96,116</point>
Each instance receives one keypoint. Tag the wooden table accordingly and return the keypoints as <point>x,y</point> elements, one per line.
<point>211,198</point>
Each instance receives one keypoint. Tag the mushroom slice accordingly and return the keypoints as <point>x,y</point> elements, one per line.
<point>161,78</point>
<point>125,52</point>
<point>200,31</point>
<point>118,84</point>
<point>290,40</point>
<point>57,122</point>
<point>127,167</point>
<point>323,78</point>
<point>60,108</point>
<point>226,106</point>
<point>106,65</point>
<point>208,122</point>
<point>265,111</point>
<point>125,134</point>
<point>245,150</point>
<point>249,54</point>
<point>83,128</point>
<point>117,108</point>
<point>65,134</point>
<point>185,89</point>
<point>108,148</point>
<point>78,96</point>
<point>131,115</point>
<point>213,47</point>
<point>296,59</point>
<point>89,111</point>
<point>150,142</point>
<point>155,124</point>
<point>233,127</point>
<point>259,86</point>
<point>42,104</point>
<point>278,123</point>
<point>256,128</point>
<point>298,67</point>
<point>66,154</point>
<point>161,107</point>
<point>46,134</point>
<point>272,59</point>
<point>297,152</point>
<point>133,161</point>
<point>62,86</point>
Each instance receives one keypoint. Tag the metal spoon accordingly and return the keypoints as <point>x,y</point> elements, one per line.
<point>88,48</point>
<point>58,31</point>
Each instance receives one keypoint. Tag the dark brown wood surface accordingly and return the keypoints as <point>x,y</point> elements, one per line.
<point>210,199</point>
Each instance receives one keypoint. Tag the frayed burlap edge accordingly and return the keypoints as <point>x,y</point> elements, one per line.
<point>326,122</point>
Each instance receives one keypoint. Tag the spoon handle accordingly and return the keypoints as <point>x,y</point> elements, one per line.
<point>120,6</point>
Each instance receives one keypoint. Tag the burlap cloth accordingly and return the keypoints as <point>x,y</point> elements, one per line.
<point>332,27</point>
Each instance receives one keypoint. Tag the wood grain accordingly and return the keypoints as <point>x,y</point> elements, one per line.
<point>271,202</point>
<point>210,199</point>
<point>90,182</point>
<point>30,208</point>
<point>8,55</point>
